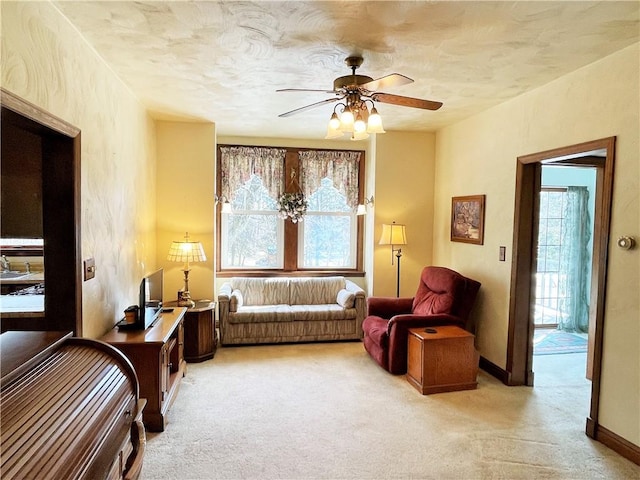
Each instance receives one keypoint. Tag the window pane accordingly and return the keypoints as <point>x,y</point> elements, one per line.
<point>253,196</point>
<point>328,240</point>
<point>555,204</point>
<point>327,199</point>
<point>251,241</point>
<point>554,235</point>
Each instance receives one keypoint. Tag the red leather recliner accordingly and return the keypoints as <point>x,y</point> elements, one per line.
<point>444,297</point>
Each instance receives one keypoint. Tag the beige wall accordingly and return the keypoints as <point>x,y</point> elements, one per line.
<point>47,63</point>
<point>478,156</point>
<point>185,202</point>
<point>404,183</point>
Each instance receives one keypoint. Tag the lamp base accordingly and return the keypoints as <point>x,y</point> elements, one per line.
<point>185,300</point>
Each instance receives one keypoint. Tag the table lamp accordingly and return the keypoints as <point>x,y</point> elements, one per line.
<point>394,234</point>
<point>185,252</point>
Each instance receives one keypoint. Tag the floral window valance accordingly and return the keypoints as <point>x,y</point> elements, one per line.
<point>342,167</point>
<point>239,163</point>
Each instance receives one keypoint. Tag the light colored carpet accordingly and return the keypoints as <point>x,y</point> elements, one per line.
<point>327,411</point>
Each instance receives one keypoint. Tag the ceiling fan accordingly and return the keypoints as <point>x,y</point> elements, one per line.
<point>352,92</point>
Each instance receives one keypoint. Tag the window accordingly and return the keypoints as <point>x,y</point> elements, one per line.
<point>253,237</point>
<point>548,296</point>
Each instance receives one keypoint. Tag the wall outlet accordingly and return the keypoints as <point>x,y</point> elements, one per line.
<point>89,268</point>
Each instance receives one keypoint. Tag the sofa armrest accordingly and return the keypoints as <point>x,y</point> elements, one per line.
<point>387,307</point>
<point>359,304</point>
<point>224,297</point>
<point>398,331</point>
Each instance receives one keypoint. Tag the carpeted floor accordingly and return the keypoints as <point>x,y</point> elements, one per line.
<point>327,411</point>
<point>554,342</point>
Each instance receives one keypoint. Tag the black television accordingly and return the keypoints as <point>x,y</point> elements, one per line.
<point>149,302</point>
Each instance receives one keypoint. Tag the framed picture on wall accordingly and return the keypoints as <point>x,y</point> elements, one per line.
<point>467,219</point>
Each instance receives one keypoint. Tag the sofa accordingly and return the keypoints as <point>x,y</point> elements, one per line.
<point>256,310</point>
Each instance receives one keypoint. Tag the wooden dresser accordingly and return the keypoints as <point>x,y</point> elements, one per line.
<point>69,408</point>
<point>157,354</point>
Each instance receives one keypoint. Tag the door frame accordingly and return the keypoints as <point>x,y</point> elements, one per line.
<point>60,211</point>
<point>520,332</point>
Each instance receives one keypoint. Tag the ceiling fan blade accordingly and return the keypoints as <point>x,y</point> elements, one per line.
<point>392,80</point>
<point>308,107</point>
<point>405,101</point>
<point>306,90</point>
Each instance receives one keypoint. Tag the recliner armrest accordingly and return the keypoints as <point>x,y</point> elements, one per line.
<point>407,321</point>
<point>398,332</point>
<point>388,307</point>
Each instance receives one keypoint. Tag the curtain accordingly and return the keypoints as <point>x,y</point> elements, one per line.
<point>574,262</point>
<point>239,163</point>
<point>342,167</point>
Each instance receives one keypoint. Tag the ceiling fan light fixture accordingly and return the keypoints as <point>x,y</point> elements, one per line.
<point>334,122</point>
<point>346,120</point>
<point>355,136</point>
<point>374,125</point>
<point>359,125</point>
<point>333,132</point>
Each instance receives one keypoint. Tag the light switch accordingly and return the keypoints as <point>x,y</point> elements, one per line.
<point>503,254</point>
<point>89,269</point>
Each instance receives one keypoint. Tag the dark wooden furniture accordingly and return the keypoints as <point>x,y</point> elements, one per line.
<point>200,338</point>
<point>157,354</point>
<point>69,408</point>
<point>441,359</point>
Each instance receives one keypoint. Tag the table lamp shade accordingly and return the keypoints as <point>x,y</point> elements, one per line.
<point>393,234</point>
<point>186,252</point>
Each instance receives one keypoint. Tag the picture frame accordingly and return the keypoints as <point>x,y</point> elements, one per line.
<point>467,219</point>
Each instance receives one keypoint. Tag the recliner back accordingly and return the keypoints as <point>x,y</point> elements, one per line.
<point>442,290</point>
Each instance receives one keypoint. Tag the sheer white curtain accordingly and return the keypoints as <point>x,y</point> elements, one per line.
<point>574,262</point>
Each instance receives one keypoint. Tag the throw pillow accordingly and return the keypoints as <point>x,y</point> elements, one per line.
<point>346,298</point>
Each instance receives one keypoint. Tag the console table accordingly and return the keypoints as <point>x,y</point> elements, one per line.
<point>441,359</point>
<point>157,354</point>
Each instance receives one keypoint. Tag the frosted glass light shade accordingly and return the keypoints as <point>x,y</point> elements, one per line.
<point>374,124</point>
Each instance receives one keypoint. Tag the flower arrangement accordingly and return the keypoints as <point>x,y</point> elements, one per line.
<point>293,206</point>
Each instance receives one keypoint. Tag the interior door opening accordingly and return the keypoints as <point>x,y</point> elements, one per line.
<point>598,155</point>
<point>561,289</point>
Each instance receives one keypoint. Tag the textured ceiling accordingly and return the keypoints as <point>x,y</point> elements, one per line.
<point>223,61</point>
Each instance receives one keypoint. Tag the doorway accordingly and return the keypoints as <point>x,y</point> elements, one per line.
<point>599,154</point>
<point>60,185</point>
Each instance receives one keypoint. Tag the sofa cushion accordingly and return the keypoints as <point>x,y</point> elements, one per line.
<point>346,298</point>
<point>262,313</point>
<point>263,291</point>
<point>315,291</point>
<point>321,312</point>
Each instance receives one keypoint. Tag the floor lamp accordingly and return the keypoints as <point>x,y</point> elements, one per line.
<point>394,234</point>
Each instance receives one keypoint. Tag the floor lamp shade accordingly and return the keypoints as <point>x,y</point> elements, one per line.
<point>394,234</point>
